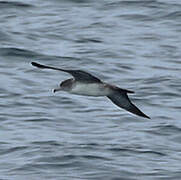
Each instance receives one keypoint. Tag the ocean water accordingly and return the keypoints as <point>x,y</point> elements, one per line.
<point>134,44</point>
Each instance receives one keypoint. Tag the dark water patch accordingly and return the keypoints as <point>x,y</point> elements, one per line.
<point>172,49</point>
<point>87,40</point>
<point>125,67</point>
<point>52,165</point>
<point>159,10</point>
<point>176,15</point>
<point>3,143</point>
<point>137,17</point>
<point>4,36</point>
<point>124,178</point>
<point>94,157</point>
<point>176,107</point>
<point>128,151</point>
<point>37,119</point>
<point>157,79</point>
<point>164,86</point>
<point>26,82</point>
<point>149,38</point>
<point>169,95</point>
<point>57,58</point>
<point>127,4</point>
<point>162,116</point>
<point>67,158</point>
<point>14,4</point>
<point>176,60</point>
<point>4,117</point>
<point>151,153</point>
<point>12,150</point>
<point>151,4</point>
<point>160,174</point>
<point>66,102</point>
<point>165,130</point>
<point>89,145</point>
<point>2,93</point>
<point>79,1</point>
<point>17,52</point>
<point>51,143</point>
<point>87,110</point>
<point>11,94</point>
<point>176,138</point>
<point>175,84</point>
<point>73,1</point>
<point>56,159</point>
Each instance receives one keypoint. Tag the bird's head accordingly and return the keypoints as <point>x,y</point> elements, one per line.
<point>65,85</point>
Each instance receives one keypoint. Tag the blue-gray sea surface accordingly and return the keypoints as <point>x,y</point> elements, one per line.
<point>134,44</point>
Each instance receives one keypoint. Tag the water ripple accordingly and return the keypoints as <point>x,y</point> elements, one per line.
<point>14,4</point>
<point>134,44</point>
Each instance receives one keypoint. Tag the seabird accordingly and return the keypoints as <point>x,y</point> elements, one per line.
<point>86,84</point>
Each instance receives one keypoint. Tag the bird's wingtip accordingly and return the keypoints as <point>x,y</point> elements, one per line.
<point>145,116</point>
<point>37,65</point>
<point>33,63</point>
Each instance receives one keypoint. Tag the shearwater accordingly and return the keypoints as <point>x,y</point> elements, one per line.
<point>86,84</point>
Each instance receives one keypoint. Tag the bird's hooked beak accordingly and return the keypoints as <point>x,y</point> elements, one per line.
<point>57,89</point>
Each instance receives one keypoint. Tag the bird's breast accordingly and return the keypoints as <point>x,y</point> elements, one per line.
<point>90,89</point>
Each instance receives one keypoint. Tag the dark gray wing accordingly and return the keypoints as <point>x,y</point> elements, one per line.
<point>120,98</point>
<point>77,74</point>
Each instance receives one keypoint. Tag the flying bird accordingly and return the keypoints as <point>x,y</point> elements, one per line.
<point>84,83</point>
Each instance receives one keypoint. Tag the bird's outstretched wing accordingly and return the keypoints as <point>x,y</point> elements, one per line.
<point>120,98</point>
<point>77,74</point>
